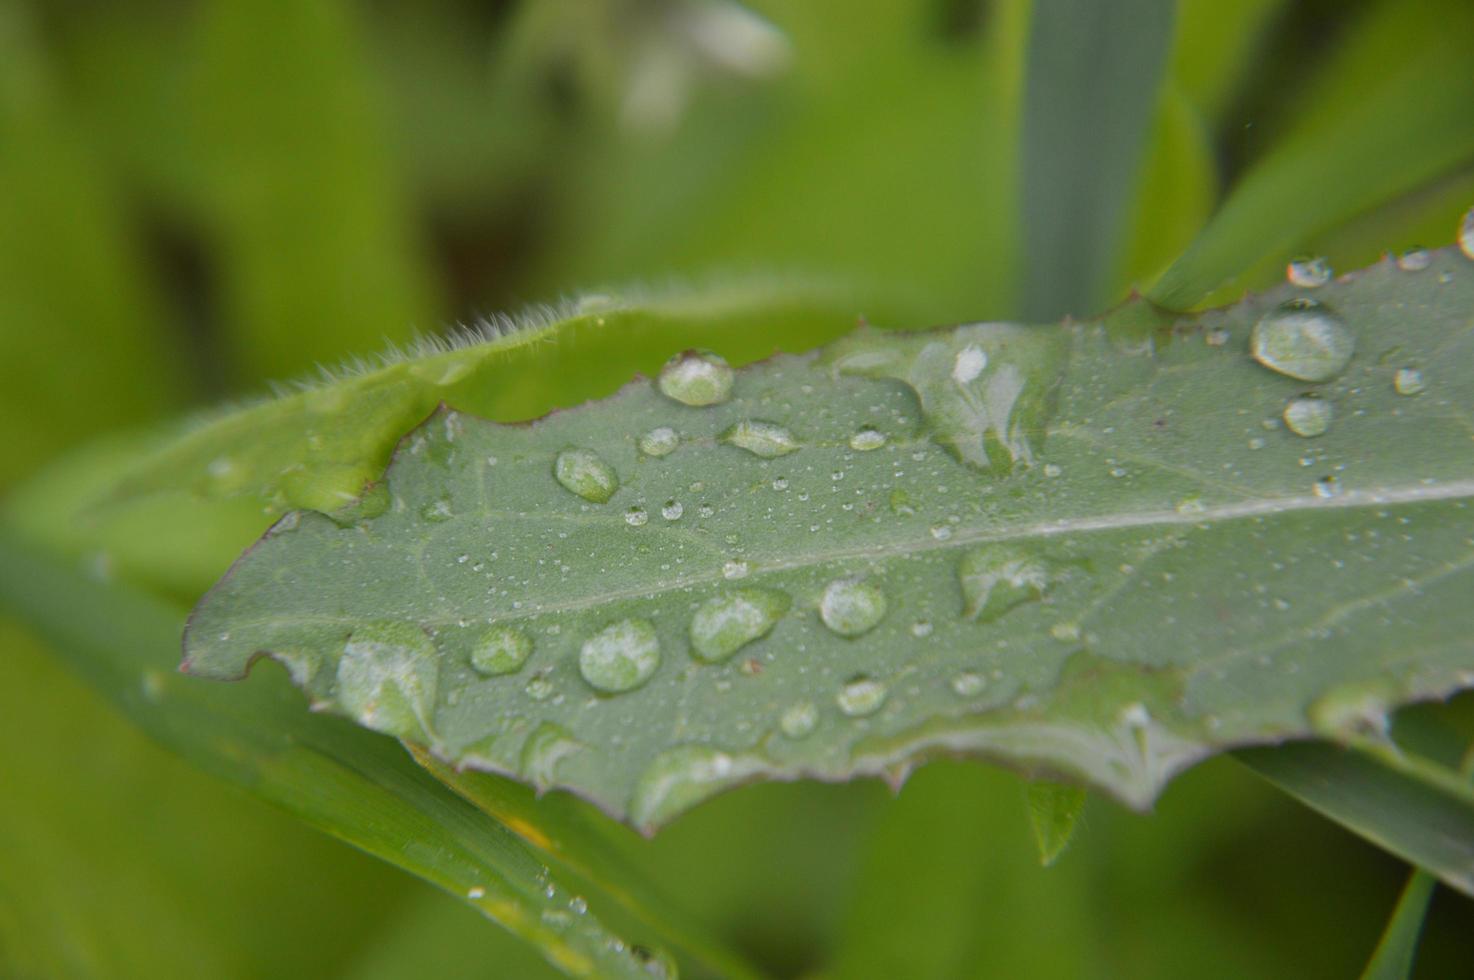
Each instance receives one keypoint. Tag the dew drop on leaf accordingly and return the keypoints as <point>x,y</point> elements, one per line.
<point>621,656</point>
<point>997,578</point>
<point>1302,339</point>
<point>387,677</point>
<point>1327,487</point>
<point>1409,381</point>
<point>501,650</point>
<point>672,510</point>
<point>851,606</point>
<point>1414,260</point>
<point>539,687</point>
<point>867,439</point>
<point>766,439</point>
<point>584,472</point>
<point>696,378</point>
<point>548,745</point>
<point>861,696</point>
<point>661,441</point>
<point>1308,273</point>
<point>681,777</point>
<point>968,684</point>
<point>799,720</point>
<point>724,624</point>
<point>735,568</point>
<point>636,517</point>
<point>1308,416</point>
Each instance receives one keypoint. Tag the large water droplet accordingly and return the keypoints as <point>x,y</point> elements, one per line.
<point>997,578</point>
<point>660,441</point>
<point>800,719</point>
<point>860,696</point>
<point>1466,234</point>
<point>621,656</point>
<point>1308,416</point>
<point>1409,381</point>
<point>851,606</point>
<point>585,473</point>
<point>548,745</point>
<point>501,650</point>
<point>724,624</point>
<point>1308,273</point>
<point>387,678</point>
<point>681,777</point>
<point>696,378</point>
<point>1302,339</point>
<point>867,439</point>
<point>765,439</point>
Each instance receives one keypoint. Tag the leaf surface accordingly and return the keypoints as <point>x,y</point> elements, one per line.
<point>1097,551</point>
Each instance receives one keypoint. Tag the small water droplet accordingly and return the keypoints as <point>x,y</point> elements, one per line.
<point>548,745</point>
<point>501,650</point>
<point>387,678</point>
<point>584,472</point>
<point>539,687</point>
<point>800,719</point>
<point>660,441</point>
<point>921,629</point>
<point>941,532</point>
<point>766,439</point>
<point>970,362</point>
<point>968,684</point>
<point>1308,273</point>
<point>1308,416</point>
<point>621,656</point>
<point>780,483</point>
<point>724,624</point>
<point>696,378</point>
<point>1466,234</point>
<point>735,568</point>
<point>1409,381</point>
<point>1327,487</point>
<point>672,510</point>
<point>867,439</point>
<point>1414,260</point>
<point>861,696</point>
<point>995,579</point>
<point>1302,339</point>
<point>636,517</point>
<point>852,606</point>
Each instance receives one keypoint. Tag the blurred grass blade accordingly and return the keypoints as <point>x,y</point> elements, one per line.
<point>1091,86</point>
<point>1366,137</point>
<point>1054,811</point>
<point>342,780</point>
<point>1393,959</point>
<point>558,826</point>
<point>1413,808</point>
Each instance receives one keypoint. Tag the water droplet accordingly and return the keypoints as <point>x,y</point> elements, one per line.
<point>766,439</point>
<point>780,483</point>
<point>584,472</point>
<point>1308,273</point>
<point>1409,381</point>
<point>672,510</point>
<point>860,696</point>
<point>636,517</point>
<point>501,650</point>
<point>696,378</point>
<point>1308,416</point>
<point>387,678</point>
<point>660,441</point>
<point>724,624</point>
<point>1216,337</point>
<point>683,776</point>
<point>1466,234</point>
<point>1302,339</point>
<point>799,720</point>
<point>1414,260</point>
<point>1327,487</point>
<point>851,606</point>
<point>621,656</point>
<point>970,362</point>
<point>539,687</point>
<point>548,745</point>
<point>995,579</point>
<point>941,532</point>
<point>867,439</point>
<point>968,684</point>
<point>735,568</point>
<point>921,629</point>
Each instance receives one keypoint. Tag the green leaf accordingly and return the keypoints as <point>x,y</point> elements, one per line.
<point>1093,552</point>
<point>1054,810</point>
<point>340,779</point>
<point>1393,959</point>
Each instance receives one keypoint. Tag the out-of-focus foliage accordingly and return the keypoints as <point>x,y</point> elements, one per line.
<point>198,198</point>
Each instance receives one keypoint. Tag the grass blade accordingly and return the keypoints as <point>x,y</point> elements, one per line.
<point>1393,959</point>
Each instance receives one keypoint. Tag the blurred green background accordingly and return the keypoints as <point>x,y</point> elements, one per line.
<point>197,198</point>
